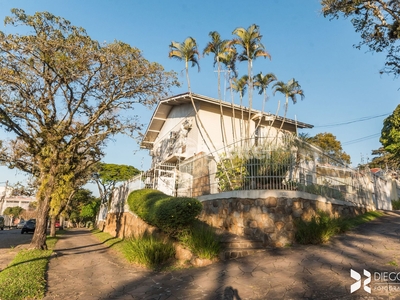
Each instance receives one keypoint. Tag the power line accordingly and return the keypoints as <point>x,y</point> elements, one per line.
<point>368,137</point>
<point>353,121</point>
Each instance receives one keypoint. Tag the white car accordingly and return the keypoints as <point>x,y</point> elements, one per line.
<point>21,224</point>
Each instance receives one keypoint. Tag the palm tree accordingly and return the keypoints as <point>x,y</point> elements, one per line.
<point>291,90</point>
<point>239,85</point>
<point>187,52</point>
<point>228,59</point>
<point>250,40</point>
<point>261,82</point>
<point>218,47</point>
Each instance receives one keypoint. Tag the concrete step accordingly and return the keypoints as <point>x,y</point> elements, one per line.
<point>236,253</point>
<point>235,246</point>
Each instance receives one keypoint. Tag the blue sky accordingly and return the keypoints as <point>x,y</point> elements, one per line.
<point>341,84</point>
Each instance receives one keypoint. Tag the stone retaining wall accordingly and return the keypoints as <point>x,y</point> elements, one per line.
<point>268,216</point>
<point>126,224</point>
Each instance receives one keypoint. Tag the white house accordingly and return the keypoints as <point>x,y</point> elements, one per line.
<point>174,134</point>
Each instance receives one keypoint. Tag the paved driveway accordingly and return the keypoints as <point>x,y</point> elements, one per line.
<point>85,269</point>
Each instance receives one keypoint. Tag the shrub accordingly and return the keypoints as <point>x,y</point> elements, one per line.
<point>148,250</point>
<point>322,227</point>
<point>316,231</point>
<point>270,167</point>
<point>396,204</point>
<point>170,214</point>
<point>231,172</point>
<point>201,239</point>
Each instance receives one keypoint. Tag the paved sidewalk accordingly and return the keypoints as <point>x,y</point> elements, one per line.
<point>85,269</point>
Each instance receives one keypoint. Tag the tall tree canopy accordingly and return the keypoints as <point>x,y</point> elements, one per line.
<point>63,96</point>
<point>378,22</point>
<point>14,211</point>
<point>384,160</point>
<point>390,134</point>
<point>328,142</point>
<point>108,175</point>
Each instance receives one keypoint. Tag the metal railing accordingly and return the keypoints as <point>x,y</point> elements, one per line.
<point>266,164</point>
<point>293,165</point>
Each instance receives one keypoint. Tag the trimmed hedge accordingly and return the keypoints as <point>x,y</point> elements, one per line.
<point>170,214</point>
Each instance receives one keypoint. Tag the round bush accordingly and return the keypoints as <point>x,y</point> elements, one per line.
<point>170,214</point>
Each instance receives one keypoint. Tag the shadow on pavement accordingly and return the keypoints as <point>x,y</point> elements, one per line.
<point>309,272</point>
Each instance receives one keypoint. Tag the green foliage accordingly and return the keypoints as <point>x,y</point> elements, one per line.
<point>257,167</point>
<point>331,146</point>
<point>14,211</point>
<point>396,204</point>
<point>322,227</point>
<point>110,173</point>
<point>390,134</point>
<point>146,250</point>
<point>316,231</point>
<point>270,167</point>
<point>25,276</point>
<point>231,172</point>
<point>383,160</point>
<point>201,239</point>
<point>377,22</point>
<point>78,88</point>
<point>90,210</point>
<point>170,214</point>
<point>83,206</point>
<point>149,251</point>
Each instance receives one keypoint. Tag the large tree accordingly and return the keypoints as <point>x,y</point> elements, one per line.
<point>261,82</point>
<point>331,146</point>
<point>390,134</point>
<point>239,85</point>
<point>291,90</point>
<point>384,160</point>
<point>107,176</point>
<point>377,21</point>
<point>250,41</point>
<point>63,96</point>
<point>220,48</point>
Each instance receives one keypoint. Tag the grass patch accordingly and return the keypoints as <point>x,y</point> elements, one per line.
<point>201,239</point>
<point>147,250</point>
<point>24,277</point>
<point>396,204</point>
<point>322,227</point>
<point>393,263</point>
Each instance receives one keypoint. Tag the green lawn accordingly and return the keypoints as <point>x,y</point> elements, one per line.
<point>25,276</point>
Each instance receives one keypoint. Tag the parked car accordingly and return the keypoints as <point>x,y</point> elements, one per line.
<point>21,224</point>
<point>29,226</point>
<point>1,222</point>
<point>57,224</point>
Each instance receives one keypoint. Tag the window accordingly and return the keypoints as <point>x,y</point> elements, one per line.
<point>309,179</point>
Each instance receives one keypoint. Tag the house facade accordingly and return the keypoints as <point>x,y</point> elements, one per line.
<point>175,134</point>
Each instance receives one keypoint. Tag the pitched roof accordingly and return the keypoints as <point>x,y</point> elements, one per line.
<point>164,107</point>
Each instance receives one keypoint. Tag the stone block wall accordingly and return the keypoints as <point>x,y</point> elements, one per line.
<point>268,216</point>
<point>124,225</point>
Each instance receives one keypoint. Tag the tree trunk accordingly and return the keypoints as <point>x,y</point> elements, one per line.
<point>53,226</point>
<point>61,222</point>
<point>39,236</point>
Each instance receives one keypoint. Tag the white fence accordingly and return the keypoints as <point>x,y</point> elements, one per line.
<point>295,166</point>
